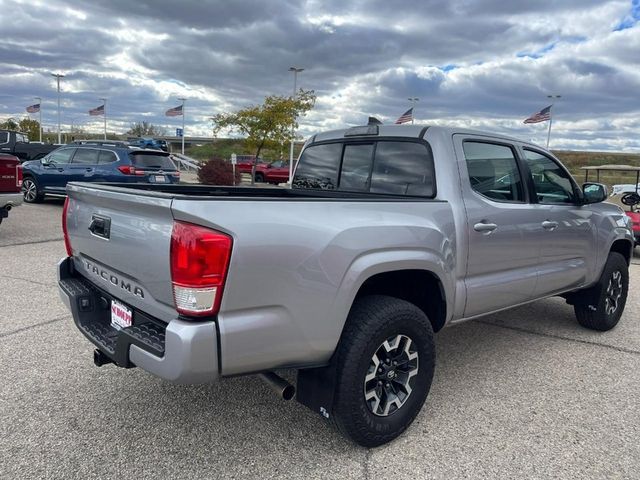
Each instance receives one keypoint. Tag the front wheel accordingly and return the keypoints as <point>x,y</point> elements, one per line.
<point>259,177</point>
<point>602,305</point>
<point>30,191</point>
<point>385,363</point>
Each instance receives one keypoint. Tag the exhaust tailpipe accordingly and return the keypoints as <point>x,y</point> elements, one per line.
<point>279,385</point>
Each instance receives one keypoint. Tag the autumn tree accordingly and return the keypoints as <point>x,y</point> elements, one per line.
<point>31,128</point>
<point>267,125</point>
<point>145,129</point>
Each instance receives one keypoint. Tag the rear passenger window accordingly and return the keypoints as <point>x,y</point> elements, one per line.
<point>107,157</point>
<point>493,171</point>
<point>403,168</point>
<point>356,166</point>
<point>85,156</point>
<point>318,167</point>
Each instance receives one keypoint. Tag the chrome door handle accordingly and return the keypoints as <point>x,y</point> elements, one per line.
<point>485,227</point>
<point>547,225</point>
<point>88,169</point>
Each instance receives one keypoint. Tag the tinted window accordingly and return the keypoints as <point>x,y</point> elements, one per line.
<point>318,167</point>
<point>4,137</point>
<point>162,162</point>
<point>493,171</point>
<point>552,183</point>
<point>62,156</point>
<point>356,167</point>
<point>107,157</point>
<point>86,156</point>
<point>403,168</point>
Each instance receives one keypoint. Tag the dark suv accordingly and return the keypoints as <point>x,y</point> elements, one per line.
<point>95,163</point>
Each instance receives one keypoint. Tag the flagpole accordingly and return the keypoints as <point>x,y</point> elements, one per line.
<point>104,109</point>
<point>413,101</point>
<point>549,131</point>
<point>40,112</point>
<point>183,100</point>
<point>551,97</point>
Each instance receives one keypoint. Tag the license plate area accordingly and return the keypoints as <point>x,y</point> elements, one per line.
<point>159,179</point>
<point>121,315</point>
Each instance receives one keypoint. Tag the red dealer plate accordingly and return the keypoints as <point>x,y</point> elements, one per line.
<point>120,315</point>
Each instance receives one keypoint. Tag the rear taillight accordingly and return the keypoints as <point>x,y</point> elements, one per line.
<point>199,263</point>
<point>65,232</point>
<point>18,176</point>
<point>130,170</point>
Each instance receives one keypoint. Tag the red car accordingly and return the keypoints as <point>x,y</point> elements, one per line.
<point>276,172</point>
<point>245,162</point>
<point>10,184</point>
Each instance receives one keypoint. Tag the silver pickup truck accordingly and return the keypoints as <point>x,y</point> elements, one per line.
<point>388,234</point>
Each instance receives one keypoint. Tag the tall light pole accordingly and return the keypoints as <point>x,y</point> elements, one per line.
<point>183,100</point>
<point>58,76</point>
<point>413,101</point>
<point>552,98</point>
<point>104,108</point>
<point>295,71</point>
<point>40,116</point>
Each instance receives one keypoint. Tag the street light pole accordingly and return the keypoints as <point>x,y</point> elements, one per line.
<point>413,101</point>
<point>295,71</point>
<point>552,98</point>
<point>58,76</point>
<point>40,116</point>
<point>183,100</point>
<point>104,108</point>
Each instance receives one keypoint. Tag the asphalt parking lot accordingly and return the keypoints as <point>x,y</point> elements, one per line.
<point>523,394</point>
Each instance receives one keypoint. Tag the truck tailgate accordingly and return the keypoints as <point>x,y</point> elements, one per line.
<point>120,241</point>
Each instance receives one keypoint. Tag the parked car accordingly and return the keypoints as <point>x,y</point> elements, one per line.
<point>245,162</point>
<point>275,172</point>
<point>17,143</point>
<point>10,184</point>
<point>346,276</point>
<point>148,142</point>
<point>95,163</point>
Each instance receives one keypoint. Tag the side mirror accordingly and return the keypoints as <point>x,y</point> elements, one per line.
<point>594,192</point>
<point>44,161</point>
<point>269,165</point>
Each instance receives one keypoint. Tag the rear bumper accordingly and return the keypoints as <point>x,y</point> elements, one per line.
<point>180,351</point>
<point>10,200</point>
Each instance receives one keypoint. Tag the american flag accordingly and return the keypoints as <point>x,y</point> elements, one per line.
<point>97,111</point>
<point>406,117</point>
<point>174,112</point>
<point>541,116</point>
<point>33,108</point>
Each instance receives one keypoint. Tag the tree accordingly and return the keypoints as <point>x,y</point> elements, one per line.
<point>9,124</point>
<point>31,128</point>
<point>218,171</point>
<point>145,129</point>
<point>267,125</point>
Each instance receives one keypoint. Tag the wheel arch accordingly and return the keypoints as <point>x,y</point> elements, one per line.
<point>624,247</point>
<point>422,288</point>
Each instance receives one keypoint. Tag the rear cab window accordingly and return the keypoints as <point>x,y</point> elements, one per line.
<point>493,171</point>
<point>152,161</point>
<point>382,166</point>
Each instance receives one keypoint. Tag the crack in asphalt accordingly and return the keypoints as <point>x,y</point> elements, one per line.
<point>28,280</point>
<point>35,242</point>
<point>560,337</point>
<point>29,327</point>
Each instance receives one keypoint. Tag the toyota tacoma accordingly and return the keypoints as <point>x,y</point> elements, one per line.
<point>387,235</point>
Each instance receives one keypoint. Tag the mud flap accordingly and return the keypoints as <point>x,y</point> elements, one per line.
<point>315,389</point>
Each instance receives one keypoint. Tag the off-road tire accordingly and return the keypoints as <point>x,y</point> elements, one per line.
<point>372,320</point>
<point>594,309</point>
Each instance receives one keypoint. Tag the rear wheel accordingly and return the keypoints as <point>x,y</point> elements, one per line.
<point>602,305</point>
<point>30,191</point>
<point>385,364</point>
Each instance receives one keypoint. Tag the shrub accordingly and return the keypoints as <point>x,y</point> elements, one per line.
<point>217,171</point>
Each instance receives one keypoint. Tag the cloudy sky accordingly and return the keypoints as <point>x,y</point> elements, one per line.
<point>484,64</point>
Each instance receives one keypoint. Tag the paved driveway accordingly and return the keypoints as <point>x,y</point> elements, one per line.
<point>522,394</point>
